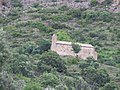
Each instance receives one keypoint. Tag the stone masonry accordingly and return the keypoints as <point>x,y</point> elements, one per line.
<point>64,48</point>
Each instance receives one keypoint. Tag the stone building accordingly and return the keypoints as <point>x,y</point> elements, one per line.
<point>64,48</point>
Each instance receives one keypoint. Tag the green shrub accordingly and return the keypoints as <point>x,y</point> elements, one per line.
<point>39,48</point>
<point>110,62</point>
<point>9,28</point>
<point>58,25</point>
<point>76,48</point>
<point>33,86</point>
<point>36,5</point>
<point>16,34</point>
<point>43,45</point>
<point>72,60</point>
<point>110,86</point>
<point>52,59</point>
<point>107,2</point>
<point>49,79</point>
<point>16,3</point>
<point>98,76</point>
<point>93,2</point>
<point>64,36</point>
<point>83,65</point>
<point>62,18</point>
<point>105,16</point>
<point>90,15</point>
<point>64,8</point>
<point>41,27</point>
<point>75,13</point>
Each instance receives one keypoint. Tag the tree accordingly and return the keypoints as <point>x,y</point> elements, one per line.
<point>76,48</point>
<point>95,76</point>
<point>49,79</point>
<point>43,45</point>
<point>4,53</point>
<point>93,2</point>
<point>64,36</point>
<point>39,48</point>
<point>52,59</point>
<point>110,86</point>
<point>75,13</point>
<point>19,64</point>
<point>7,82</point>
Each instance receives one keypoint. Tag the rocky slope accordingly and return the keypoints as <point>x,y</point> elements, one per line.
<point>5,5</point>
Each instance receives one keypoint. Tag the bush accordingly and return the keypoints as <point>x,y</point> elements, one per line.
<point>76,48</point>
<point>110,86</point>
<point>62,18</point>
<point>9,28</point>
<point>83,65</point>
<point>90,15</point>
<point>49,79</point>
<point>93,2</point>
<point>33,86</point>
<point>110,62</point>
<point>41,27</point>
<point>105,16</point>
<point>58,25</point>
<point>64,36</point>
<point>107,2</point>
<point>117,58</point>
<point>52,59</point>
<point>75,13</point>
<point>43,45</point>
<point>16,3</point>
<point>39,48</point>
<point>98,76</point>
<point>64,8</point>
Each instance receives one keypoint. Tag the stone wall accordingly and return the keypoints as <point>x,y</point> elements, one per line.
<point>65,49</point>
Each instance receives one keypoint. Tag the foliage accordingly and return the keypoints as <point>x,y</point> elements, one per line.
<point>4,52</point>
<point>16,3</point>
<point>58,25</point>
<point>63,18</point>
<point>64,36</point>
<point>19,64</point>
<point>37,48</point>
<point>75,13</point>
<point>107,2</point>
<point>110,86</point>
<point>93,2</point>
<point>33,86</point>
<point>7,82</point>
<point>41,27</point>
<point>76,48</point>
<point>49,79</point>
<point>52,59</point>
<point>93,76</point>
<point>64,8</point>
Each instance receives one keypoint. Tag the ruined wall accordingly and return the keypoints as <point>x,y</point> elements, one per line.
<point>65,49</point>
<point>86,52</point>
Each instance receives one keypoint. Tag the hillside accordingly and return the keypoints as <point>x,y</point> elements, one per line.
<point>26,28</point>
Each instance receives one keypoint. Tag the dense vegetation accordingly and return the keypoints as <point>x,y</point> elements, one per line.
<point>26,62</point>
